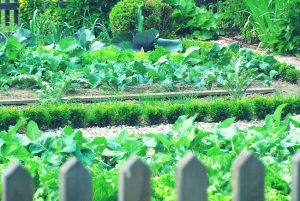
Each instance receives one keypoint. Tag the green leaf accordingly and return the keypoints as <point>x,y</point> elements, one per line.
<point>36,148</point>
<point>183,124</point>
<point>226,123</point>
<point>52,158</point>
<point>171,45</point>
<point>97,45</point>
<point>214,151</point>
<point>277,113</point>
<point>132,146</point>
<point>33,131</point>
<point>13,48</point>
<point>145,40</point>
<point>149,142</point>
<point>68,42</point>
<point>69,145</point>
<point>296,121</point>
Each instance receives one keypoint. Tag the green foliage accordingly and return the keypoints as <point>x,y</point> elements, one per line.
<point>173,112</point>
<point>196,43</point>
<point>128,114</point>
<point>220,110</point>
<point>287,73</point>
<point>264,106</point>
<point>133,113</point>
<point>194,22</point>
<point>78,117</point>
<point>233,14</point>
<point>243,110</point>
<point>242,74</point>
<point>216,147</point>
<point>277,24</point>
<point>8,117</point>
<point>80,61</point>
<point>154,114</point>
<point>104,116</point>
<point>59,116</point>
<point>123,16</point>
<point>234,17</point>
<point>145,41</point>
<point>196,107</point>
<point>74,13</point>
<point>40,116</point>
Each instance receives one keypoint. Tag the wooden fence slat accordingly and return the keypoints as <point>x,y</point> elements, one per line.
<point>16,14</point>
<point>17,184</point>
<point>191,179</point>
<point>248,178</point>
<point>9,6</point>
<point>296,178</point>
<point>75,182</point>
<point>134,181</point>
<point>7,15</point>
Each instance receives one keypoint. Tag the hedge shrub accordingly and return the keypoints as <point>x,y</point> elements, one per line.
<point>134,113</point>
<point>75,13</point>
<point>287,73</point>
<point>123,16</point>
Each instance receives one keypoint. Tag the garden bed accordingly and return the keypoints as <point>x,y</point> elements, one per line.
<point>24,96</point>
<point>90,95</point>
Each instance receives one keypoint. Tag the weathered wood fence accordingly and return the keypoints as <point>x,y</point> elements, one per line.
<point>6,9</point>
<point>134,181</point>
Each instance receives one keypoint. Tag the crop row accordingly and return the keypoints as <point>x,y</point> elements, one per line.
<point>137,113</point>
<point>274,143</point>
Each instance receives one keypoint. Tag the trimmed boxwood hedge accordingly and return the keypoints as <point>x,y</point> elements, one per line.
<point>138,113</point>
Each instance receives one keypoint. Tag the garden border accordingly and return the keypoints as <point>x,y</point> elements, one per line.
<point>134,113</point>
<point>89,99</point>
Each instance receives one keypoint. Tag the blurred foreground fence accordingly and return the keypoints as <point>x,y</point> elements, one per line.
<point>134,181</point>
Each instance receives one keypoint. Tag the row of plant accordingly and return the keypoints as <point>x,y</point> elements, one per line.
<point>274,143</point>
<point>254,19</point>
<point>81,61</point>
<point>145,112</point>
<point>171,18</point>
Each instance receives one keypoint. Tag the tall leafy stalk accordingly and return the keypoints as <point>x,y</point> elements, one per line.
<point>271,22</point>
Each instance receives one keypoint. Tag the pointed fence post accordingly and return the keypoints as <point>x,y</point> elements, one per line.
<point>296,178</point>
<point>191,179</point>
<point>248,178</point>
<point>134,181</point>
<point>75,182</point>
<point>17,184</point>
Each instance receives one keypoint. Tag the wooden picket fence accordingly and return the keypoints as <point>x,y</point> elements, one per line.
<point>134,181</point>
<point>7,7</point>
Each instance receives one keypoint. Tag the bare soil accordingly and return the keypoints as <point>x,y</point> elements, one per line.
<point>282,88</point>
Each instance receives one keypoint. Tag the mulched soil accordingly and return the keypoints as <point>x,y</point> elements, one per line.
<point>282,88</point>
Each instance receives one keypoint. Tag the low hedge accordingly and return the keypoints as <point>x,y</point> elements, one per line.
<point>138,113</point>
<point>287,73</point>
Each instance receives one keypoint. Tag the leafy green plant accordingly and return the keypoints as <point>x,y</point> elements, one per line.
<point>271,19</point>
<point>194,22</point>
<point>43,154</point>
<point>145,41</point>
<point>241,75</point>
<point>123,17</point>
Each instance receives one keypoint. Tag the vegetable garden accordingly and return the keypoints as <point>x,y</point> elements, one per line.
<point>87,49</point>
